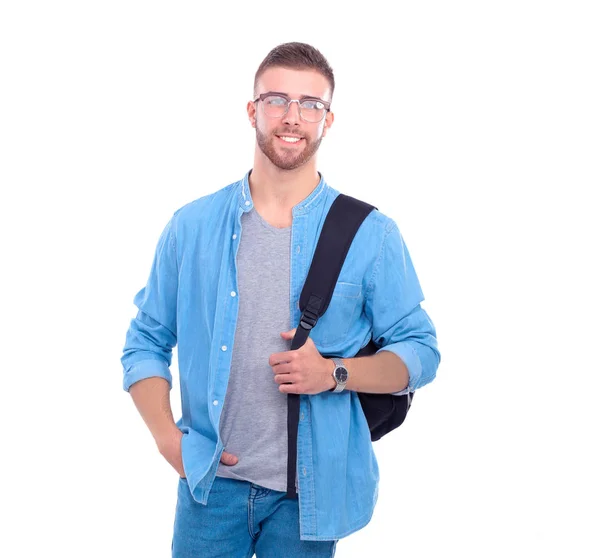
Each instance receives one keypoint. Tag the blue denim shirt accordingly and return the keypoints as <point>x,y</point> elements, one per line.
<point>190,300</point>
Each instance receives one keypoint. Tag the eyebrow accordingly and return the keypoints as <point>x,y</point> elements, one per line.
<point>286,95</point>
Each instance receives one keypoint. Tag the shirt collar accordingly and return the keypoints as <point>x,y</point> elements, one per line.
<point>312,201</point>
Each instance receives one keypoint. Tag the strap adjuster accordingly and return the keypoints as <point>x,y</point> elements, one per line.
<point>308,319</point>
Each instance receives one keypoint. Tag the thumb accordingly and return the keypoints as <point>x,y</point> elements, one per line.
<point>228,458</point>
<point>289,334</point>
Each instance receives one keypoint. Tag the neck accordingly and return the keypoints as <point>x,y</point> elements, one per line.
<point>275,192</point>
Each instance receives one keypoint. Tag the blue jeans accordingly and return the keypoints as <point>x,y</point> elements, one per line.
<point>240,519</point>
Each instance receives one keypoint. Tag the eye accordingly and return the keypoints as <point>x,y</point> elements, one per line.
<point>275,101</point>
<point>313,104</point>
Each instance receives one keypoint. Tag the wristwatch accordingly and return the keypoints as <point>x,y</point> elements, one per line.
<point>340,375</point>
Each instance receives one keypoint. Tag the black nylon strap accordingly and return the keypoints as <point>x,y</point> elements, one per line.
<point>341,225</point>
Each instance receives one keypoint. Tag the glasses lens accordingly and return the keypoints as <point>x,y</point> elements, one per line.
<point>312,110</point>
<point>274,105</point>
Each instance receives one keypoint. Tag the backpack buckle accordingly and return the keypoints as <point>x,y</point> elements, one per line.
<point>308,319</point>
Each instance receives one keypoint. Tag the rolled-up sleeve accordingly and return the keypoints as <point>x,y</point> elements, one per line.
<point>152,334</point>
<point>393,305</point>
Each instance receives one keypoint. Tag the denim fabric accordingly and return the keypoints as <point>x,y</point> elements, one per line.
<point>239,519</point>
<point>190,300</point>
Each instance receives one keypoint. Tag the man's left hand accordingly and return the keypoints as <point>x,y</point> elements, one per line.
<point>303,370</point>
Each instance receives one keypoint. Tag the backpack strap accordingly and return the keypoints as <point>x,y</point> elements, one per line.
<point>343,220</point>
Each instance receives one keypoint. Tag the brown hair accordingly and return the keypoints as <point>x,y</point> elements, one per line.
<point>296,56</point>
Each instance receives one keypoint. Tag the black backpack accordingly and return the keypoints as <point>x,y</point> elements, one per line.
<point>384,412</point>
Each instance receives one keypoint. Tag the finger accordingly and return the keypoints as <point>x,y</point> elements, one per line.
<point>288,334</point>
<point>289,388</point>
<point>277,358</point>
<point>283,368</point>
<point>285,378</point>
<point>228,458</point>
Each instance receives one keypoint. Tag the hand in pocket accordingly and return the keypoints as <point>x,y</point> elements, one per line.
<point>170,449</point>
<point>228,458</point>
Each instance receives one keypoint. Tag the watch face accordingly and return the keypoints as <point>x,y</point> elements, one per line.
<point>341,375</point>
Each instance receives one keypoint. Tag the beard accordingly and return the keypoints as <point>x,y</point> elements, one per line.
<point>283,158</point>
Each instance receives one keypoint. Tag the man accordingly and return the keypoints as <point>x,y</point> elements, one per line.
<point>225,285</point>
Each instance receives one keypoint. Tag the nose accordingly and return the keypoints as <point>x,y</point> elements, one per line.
<point>292,116</point>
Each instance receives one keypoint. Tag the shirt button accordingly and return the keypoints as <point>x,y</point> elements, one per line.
<point>301,416</point>
<point>215,402</point>
<point>232,293</point>
<point>297,249</point>
<point>224,348</point>
<point>234,236</point>
<point>247,202</point>
<point>304,471</point>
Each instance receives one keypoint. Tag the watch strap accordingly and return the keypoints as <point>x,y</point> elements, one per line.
<point>339,386</point>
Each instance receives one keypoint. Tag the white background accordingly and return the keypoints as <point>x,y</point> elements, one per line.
<point>475,125</point>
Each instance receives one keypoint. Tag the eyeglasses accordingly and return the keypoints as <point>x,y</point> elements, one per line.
<point>276,105</point>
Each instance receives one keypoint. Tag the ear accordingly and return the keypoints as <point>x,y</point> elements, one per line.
<point>251,110</point>
<point>329,118</point>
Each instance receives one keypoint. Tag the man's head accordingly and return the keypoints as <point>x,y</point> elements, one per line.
<point>289,133</point>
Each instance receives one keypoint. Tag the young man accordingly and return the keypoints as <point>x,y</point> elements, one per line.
<point>225,285</point>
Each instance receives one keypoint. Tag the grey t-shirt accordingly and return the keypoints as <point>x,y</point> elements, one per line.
<point>253,423</point>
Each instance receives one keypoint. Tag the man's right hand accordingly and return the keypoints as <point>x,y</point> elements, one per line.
<point>170,448</point>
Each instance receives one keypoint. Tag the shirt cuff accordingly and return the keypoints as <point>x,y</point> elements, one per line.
<point>411,360</point>
<point>146,369</point>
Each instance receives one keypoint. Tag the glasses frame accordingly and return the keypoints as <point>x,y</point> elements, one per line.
<point>263,96</point>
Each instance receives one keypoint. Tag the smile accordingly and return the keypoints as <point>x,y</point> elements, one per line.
<point>290,139</point>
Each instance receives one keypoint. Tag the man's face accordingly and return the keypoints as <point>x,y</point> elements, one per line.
<point>276,136</point>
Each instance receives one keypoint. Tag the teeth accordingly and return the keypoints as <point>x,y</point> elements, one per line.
<point>290,140</point>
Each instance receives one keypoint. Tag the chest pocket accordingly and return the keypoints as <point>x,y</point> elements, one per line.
<point>344,308</point>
